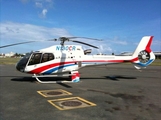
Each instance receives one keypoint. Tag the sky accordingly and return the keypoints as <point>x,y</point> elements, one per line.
<point>119,23</point>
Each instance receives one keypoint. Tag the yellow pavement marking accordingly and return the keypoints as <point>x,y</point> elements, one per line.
<point>58,103</point>
<point>44,93</point>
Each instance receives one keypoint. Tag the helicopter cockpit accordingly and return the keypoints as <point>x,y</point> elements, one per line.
<point>22,63</point>
<point>32,59</point>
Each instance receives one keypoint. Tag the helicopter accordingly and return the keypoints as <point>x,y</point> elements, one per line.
<point>65,60</point>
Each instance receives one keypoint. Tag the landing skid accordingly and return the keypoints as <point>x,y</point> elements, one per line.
<point>75,77</point>
<point>40,81</point>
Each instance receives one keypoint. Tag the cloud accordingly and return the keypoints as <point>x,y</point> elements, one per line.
<point>24,1</point>
<point>22,31</point>
<point>42,5</point>
<point>44,12</point>
<point>12,32</point>
<point>103,48</point>
<point>156,45</point>
<point>116,40</point>
<point>38,4</point>
<point>157,42</point>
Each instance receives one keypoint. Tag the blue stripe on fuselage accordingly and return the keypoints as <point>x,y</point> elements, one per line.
<point>57,68</point>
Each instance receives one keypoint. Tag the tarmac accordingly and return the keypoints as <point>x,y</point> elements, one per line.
<point>112,92</point>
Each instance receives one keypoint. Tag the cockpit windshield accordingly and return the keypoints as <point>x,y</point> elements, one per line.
<point>22,63</point>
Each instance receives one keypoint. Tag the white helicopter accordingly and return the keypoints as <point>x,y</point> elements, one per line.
<point>58,60</point>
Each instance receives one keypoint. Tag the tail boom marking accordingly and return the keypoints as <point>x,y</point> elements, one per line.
<point>149,44</point>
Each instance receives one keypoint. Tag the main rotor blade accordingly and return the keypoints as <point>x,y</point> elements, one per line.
<point>84,38</point>
<point>63,39</point>
<point>16,44</point>
<point>27,42</point>
<point>84,43</point>
<point>51,40</point>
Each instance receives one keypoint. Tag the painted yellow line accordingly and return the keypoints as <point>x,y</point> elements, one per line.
<point>66,92</point>
<point>88,104</point>
<point>41,92</point>
<point>51,102</point>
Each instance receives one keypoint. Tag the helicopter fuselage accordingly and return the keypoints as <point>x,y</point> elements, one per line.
<point>50,60</point>
<point>68,58</point>
<point>58,59</point>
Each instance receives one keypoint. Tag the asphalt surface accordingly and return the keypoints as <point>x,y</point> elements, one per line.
<point>120,92</point>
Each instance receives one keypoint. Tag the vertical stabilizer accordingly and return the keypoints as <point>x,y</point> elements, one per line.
<point>143,55</point>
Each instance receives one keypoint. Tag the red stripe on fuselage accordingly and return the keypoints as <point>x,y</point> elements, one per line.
<point>103,61</point>
<point>40,69</point>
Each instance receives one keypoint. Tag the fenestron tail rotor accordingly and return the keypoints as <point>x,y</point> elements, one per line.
<point>61,39</point>
<point>144,56</point>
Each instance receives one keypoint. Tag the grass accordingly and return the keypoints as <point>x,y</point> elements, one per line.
<point>157,62</point>
<point>12,61</point>
<point>8,61</point>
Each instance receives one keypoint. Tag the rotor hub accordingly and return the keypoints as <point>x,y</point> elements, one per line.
<point>144,57</point>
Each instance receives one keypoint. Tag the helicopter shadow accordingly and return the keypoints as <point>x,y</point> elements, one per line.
<point>19,78</point>
<point>119,77</point>
<point>112,77</point>
<point>23,79</point>
<point>30,79</point>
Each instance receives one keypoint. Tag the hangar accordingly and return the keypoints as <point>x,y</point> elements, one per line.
<point>157,54</point>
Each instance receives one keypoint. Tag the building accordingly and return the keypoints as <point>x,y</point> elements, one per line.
<point>11,54</point>
<point>157,54</point>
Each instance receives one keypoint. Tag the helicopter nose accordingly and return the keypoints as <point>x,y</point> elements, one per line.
<point>20,66</point>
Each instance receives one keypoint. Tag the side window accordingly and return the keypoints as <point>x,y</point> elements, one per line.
<point>35,59</point>
<point>47,57</point>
